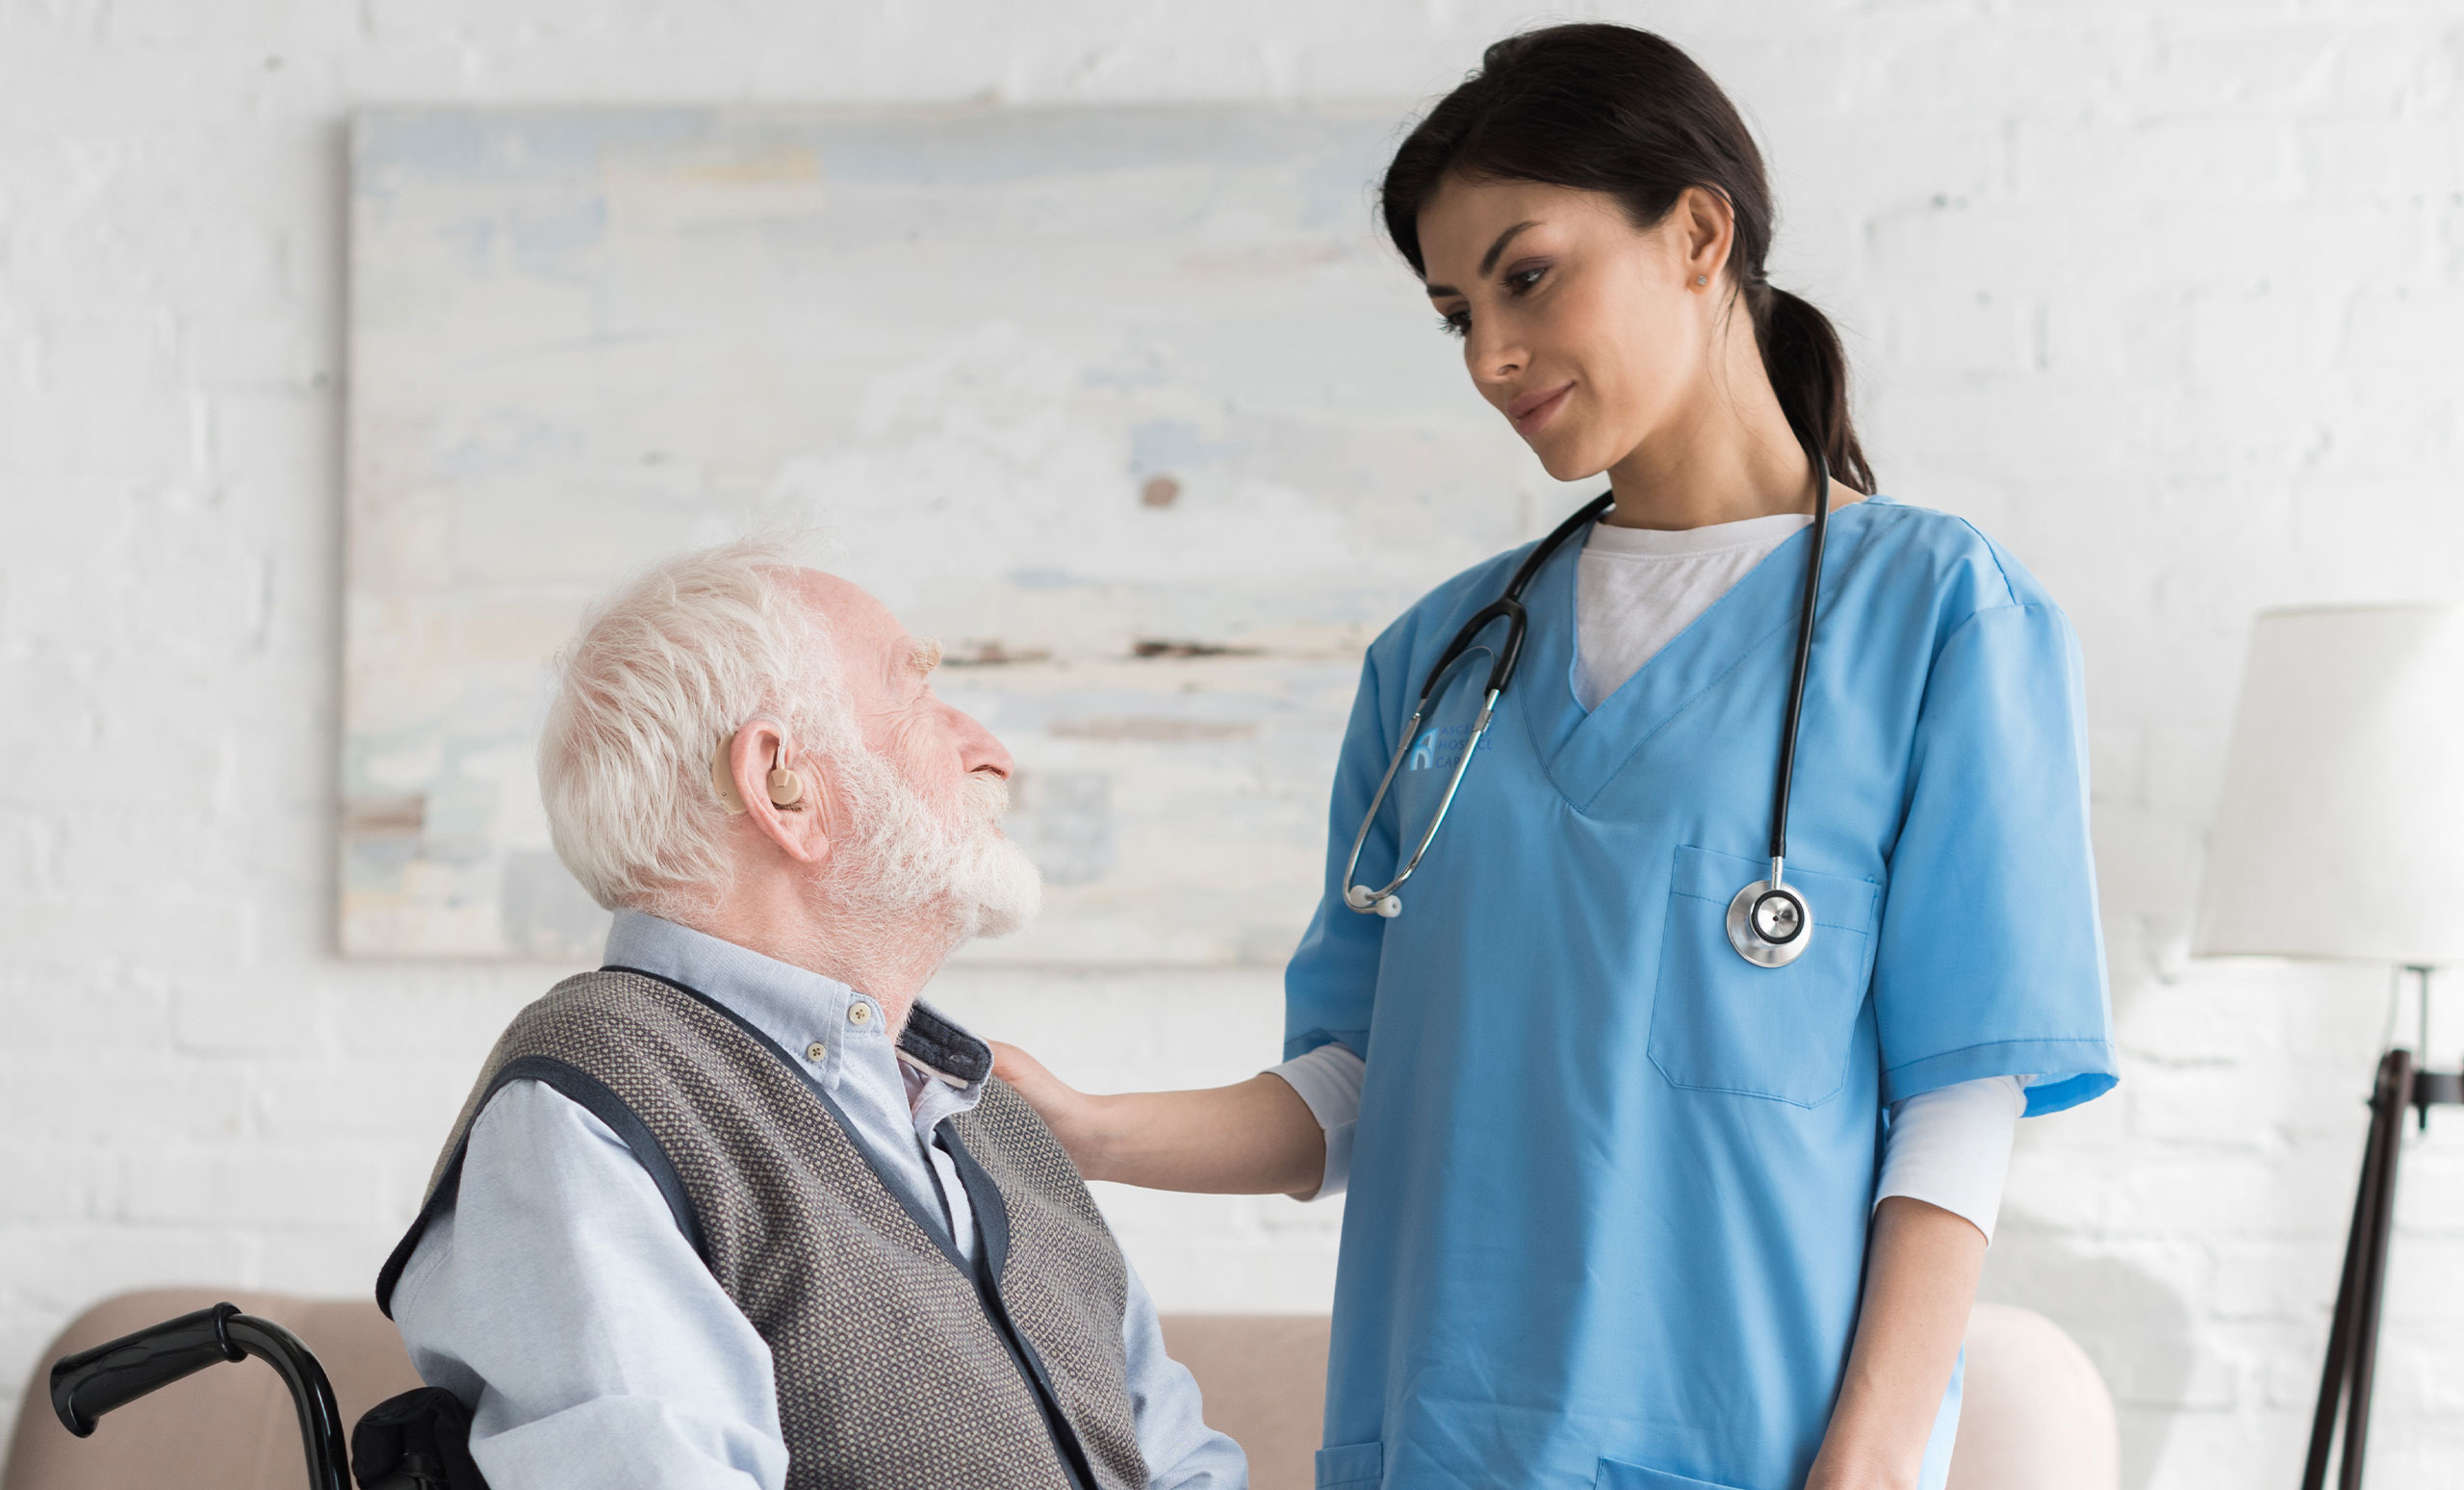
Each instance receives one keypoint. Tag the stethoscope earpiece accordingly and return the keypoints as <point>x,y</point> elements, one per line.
<point>1363,899</point>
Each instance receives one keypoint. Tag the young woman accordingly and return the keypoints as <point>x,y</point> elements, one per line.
<point>1670,1165</point>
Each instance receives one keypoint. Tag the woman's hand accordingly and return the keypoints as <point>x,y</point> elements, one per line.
<point>1256,1138</point>
<point>1072,1115</point>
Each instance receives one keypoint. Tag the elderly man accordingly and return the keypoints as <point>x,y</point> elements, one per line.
<point>737,1209</point>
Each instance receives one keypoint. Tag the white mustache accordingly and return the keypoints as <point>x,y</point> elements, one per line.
<point>987,798</point>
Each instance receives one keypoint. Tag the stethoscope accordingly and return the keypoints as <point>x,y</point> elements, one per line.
<point>1769,922</point>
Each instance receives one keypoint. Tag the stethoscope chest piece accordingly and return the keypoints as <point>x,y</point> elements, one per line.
<point>1769,924</point>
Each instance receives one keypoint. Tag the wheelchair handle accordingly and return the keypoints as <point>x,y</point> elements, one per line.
<point>90,1383</point>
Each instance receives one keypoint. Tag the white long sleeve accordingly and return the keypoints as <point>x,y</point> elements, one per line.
<point>1329,1080</point>
<point>1950,1146</point>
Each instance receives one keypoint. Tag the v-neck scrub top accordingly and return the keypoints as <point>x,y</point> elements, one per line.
<point>1611,1183</point>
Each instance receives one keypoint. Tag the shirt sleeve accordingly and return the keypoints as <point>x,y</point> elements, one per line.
<point>1329,1080</point>
<point>1951,1147</point>
<point>559,1301</point>
<point>1330,986</point>
<point>1990,961</point>
<point>1181,1452</point>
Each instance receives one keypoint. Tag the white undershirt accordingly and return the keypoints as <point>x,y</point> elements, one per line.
<point>1635,590</point>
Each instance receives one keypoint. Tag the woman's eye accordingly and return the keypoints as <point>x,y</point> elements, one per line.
<point>1455,323</point>
<point>1520,281</point>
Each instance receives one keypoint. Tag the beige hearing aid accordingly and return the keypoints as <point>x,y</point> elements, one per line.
<point>787,788</point>
<point>723,779</point>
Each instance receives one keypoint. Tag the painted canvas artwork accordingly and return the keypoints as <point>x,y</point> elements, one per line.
<point>1131,408</point>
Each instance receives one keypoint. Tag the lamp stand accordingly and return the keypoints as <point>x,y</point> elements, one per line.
<point>2352,1343</point>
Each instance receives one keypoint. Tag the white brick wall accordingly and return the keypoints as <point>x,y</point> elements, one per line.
<point>2168,296</point>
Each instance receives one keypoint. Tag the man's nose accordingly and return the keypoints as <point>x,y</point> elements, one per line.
<point>980,749</point>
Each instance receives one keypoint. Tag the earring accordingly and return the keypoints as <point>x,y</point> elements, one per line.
<point>1701,279</point>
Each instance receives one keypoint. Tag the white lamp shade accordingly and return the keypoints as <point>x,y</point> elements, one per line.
<point>2340,831</point>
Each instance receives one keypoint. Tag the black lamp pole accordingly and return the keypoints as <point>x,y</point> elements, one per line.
<point>2352,1343</point>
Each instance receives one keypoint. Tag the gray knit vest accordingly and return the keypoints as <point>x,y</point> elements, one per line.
<point>897,1363</point>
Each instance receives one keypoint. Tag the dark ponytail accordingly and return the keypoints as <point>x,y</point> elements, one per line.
<point>1607,108</point>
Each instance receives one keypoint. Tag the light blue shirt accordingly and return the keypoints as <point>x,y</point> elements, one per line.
<point>558,1300</point>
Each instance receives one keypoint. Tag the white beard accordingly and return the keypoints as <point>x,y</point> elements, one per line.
<point>903,860</point>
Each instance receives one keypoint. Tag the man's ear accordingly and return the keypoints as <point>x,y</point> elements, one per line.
<point>802,826</point>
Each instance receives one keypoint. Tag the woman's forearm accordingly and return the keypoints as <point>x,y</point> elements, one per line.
<point>1921,1268</point>
<point>1256,1138</point>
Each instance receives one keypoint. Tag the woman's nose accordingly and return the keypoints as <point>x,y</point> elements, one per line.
<point>1494,358</point>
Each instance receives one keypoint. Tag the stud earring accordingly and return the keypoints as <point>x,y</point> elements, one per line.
<point>1701,279</point>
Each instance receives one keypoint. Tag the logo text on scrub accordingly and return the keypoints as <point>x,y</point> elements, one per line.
<point>1438,747</point>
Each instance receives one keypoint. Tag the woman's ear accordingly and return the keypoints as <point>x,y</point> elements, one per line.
<point>1705,225</point>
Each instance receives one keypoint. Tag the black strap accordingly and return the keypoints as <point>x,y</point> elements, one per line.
<point>991,1261</point>
<point>592,1095</point>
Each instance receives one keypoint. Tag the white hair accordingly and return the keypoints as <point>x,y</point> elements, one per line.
<point>666,668</point>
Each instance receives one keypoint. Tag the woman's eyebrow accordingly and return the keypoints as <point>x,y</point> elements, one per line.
<point>1489,259</point>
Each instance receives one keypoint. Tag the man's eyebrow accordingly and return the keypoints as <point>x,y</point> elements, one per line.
<point>1488,261</point>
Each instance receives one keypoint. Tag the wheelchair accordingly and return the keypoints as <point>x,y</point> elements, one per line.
<point>419,1440</point>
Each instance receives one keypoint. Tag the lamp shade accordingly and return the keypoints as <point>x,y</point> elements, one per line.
<point>2341,829</point>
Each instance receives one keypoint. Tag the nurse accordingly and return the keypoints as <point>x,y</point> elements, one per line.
<point>1628,1209</point>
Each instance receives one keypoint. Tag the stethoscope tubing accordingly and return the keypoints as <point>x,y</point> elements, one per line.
<point>1509,608</point>
<point>1786,777</point>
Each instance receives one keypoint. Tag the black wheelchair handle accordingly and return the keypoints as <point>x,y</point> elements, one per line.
<point>116,1373</point>
<point>90,1383</point>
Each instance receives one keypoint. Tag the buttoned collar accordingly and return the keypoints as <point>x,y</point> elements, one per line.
<point>838,1034</point>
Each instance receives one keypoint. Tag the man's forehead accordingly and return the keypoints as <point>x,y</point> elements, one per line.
<point>864,626</point>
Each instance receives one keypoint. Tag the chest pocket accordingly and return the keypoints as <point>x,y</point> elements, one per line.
<point>1719,1023</point>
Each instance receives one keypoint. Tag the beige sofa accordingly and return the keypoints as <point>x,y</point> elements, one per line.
<point>2036,1417</point>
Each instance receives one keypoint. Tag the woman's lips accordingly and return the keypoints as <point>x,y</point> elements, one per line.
<point>1531,411</point>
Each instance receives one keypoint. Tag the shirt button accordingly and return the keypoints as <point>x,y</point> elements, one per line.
<point>816,1051</point>
<point>858,1013</point>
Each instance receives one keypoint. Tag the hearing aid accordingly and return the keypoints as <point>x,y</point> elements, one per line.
<point>787,788</point>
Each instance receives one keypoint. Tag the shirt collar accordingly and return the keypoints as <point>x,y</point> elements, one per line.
<point>826,1026</point>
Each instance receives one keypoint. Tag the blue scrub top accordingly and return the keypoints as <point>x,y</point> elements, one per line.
<point>1611,1183</point>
